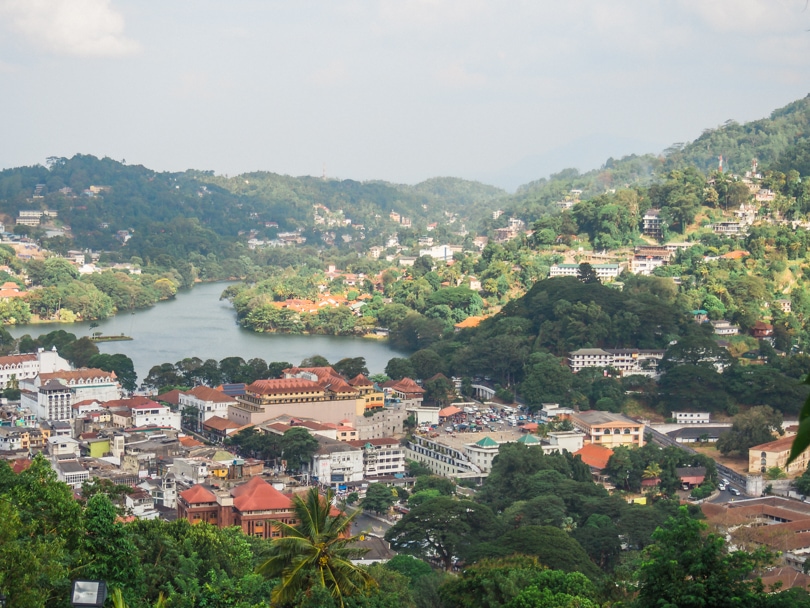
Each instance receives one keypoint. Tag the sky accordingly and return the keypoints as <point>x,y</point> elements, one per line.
<point>399,90</point>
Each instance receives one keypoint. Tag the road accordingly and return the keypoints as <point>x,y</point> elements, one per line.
<point>364,523</point>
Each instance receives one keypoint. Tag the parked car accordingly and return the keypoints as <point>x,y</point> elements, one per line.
<point>721,486</point>
<point>734,491</point>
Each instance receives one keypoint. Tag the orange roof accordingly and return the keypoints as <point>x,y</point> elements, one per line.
<point>20,464</point>
<point>189,442</point>
<point>258,495</point>
<point>220,424</point>
<point>172,397</point>
<point>450,410</point>
<point>531,427</point>
<point>198,494</point>
<point>595,456</point>
<point>206,393</point>
<point>406,385</point>
<point>780,445</point>
<point>734,255</point>
<point>15,359</point>
<point>283,385</point>
<point>360,380</point>
<point>85,373</point>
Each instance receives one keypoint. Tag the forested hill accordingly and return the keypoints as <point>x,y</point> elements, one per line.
<point>780,142</point>
<point>176,214</point>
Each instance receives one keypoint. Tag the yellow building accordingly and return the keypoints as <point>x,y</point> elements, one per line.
<point>608,429</point>
<point>775,454</point>
<point>373,398</point>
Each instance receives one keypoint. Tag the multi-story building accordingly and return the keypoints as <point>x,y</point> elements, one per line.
<point>774,454</point>
<point>652,224</point>
<point>28,366</point>
<point>318,393</point>
<point>371,394</point>
<point>628,361</point>
<point>51,395</point>
<point>692,417</point>
<point>381,456</point>
<point>605,272</point>
<point>336,463</point>
<point>252,506</point>
<point>647,259</point>
<point>609,429</point>
<point>155,414</point>
<point>207,402</point>
<point>452,456</point>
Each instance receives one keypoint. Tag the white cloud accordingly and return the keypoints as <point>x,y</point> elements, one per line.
<point>750,16</point>
<point>86,28</point>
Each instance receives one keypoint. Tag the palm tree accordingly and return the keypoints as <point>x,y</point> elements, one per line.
<point>315,553</point>
<point>653,471</point>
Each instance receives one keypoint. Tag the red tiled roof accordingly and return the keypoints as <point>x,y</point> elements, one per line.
<point>198,494</point>
<point>360,380</point>
<point>205,393</point>
<point>189,442</point>
<point>780,445</point>
<point>450,410</point>
<point>85,373</point>
<point>20,464</point>
<point>218,423</point>
<point>15,359</point>
<point>128,403</point>
<point>172,397</point>
<point>406,385</point>
<point>280,386</point>
<point>258,495</point>
<point>148,406</point>
<point>595,456</point>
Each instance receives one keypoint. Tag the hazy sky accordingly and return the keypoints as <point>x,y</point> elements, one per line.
<point>400,90</point>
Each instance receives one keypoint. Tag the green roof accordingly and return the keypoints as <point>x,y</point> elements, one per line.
<point>528,439</point>
<point>486,442</point>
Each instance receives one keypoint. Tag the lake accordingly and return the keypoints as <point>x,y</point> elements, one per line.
<point>197,324</point>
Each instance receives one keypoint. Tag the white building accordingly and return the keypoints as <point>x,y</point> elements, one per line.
<point>60,447</point>
<point>155,415</point>
<point>381,456</point>
<point>28,366</point>
<point>163,491</point>
<point>208,403</point>
<point>337,462</point>
<point>141,504</point>
<point>724,328</point>
<point>692,417</point>
<point>605,272</point>
<point>190,470</point>
<point>72,473</point>
<point>441,252</point>
<point>628,361</point>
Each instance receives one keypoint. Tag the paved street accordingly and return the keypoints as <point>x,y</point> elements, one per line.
<point>364,523</point>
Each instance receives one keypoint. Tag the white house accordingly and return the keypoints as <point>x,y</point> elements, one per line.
<point>337,462</point>
<point>28,366</point>
<point>208,402</point>
<point>692,417</point>
<point>155,414</point>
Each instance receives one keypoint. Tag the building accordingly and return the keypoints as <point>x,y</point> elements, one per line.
<point>336,463</point>
<point>609,429</point>
<point>217,429</point>
<point>691,417</point>
<point>28,366</point>
<point>155,414</point>
<point>627,361</point>
<point>652,224</point>
<point>60,389</point>
<point>647,259</point>
<point>381,456</point>
<point>457,456</point>
<point>605,272</point>
<point>698,433</point>
<point>775,454</point>
<point>407,391</point>
<point>374,397</point>
<point>724,328</point>
<point>252,506</point>
<point>208,402</point>
<point>315,393</point>
<point>72,473</point>
<point>443,253</point>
